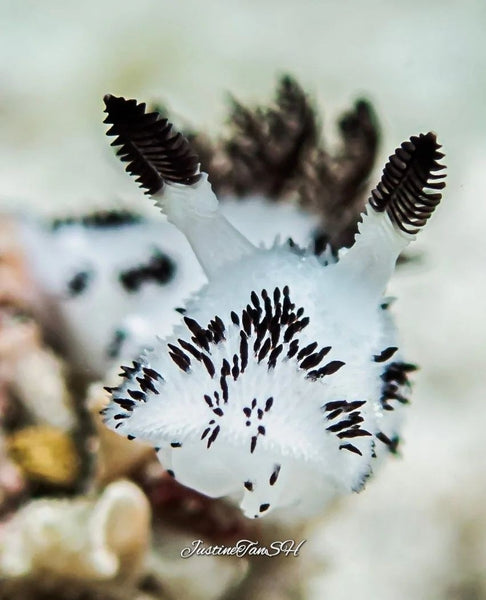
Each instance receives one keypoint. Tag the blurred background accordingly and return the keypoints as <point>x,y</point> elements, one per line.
<point>419,529</point>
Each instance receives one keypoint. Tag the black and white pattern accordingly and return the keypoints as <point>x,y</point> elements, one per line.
<point>287,397</point>
<point>265,337</point>
<point>153,150</point>
<point>410,184</point>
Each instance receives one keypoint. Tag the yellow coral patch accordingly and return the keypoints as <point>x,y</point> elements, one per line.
<point>45,454</point>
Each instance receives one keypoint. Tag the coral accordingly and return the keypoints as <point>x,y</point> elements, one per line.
<point>59,588</point>
<point>45,454</point>
<point>28,368</point>
<point>93,539</point>
<point>115,457</point>
<point>12,482</point>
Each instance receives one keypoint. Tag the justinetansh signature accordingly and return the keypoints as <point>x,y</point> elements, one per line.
<point>244,548</point>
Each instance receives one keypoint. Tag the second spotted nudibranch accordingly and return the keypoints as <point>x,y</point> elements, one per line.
<point>282,385</point>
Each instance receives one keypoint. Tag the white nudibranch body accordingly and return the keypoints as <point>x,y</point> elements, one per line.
<point>111,279</point>
<point>282,384</point>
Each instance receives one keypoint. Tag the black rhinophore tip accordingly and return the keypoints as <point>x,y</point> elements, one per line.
<point>408,187</point>
<point>148,143</point>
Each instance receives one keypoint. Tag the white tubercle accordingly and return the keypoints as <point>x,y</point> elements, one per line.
<point>194,210</point>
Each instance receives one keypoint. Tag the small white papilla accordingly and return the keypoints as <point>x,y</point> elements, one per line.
<point>281,385</point>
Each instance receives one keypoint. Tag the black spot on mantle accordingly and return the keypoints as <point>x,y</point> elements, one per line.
<point>160,269</point>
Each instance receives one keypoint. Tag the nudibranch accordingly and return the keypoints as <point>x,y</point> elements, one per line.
<point>282,384</point>
<point>110,279</point>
